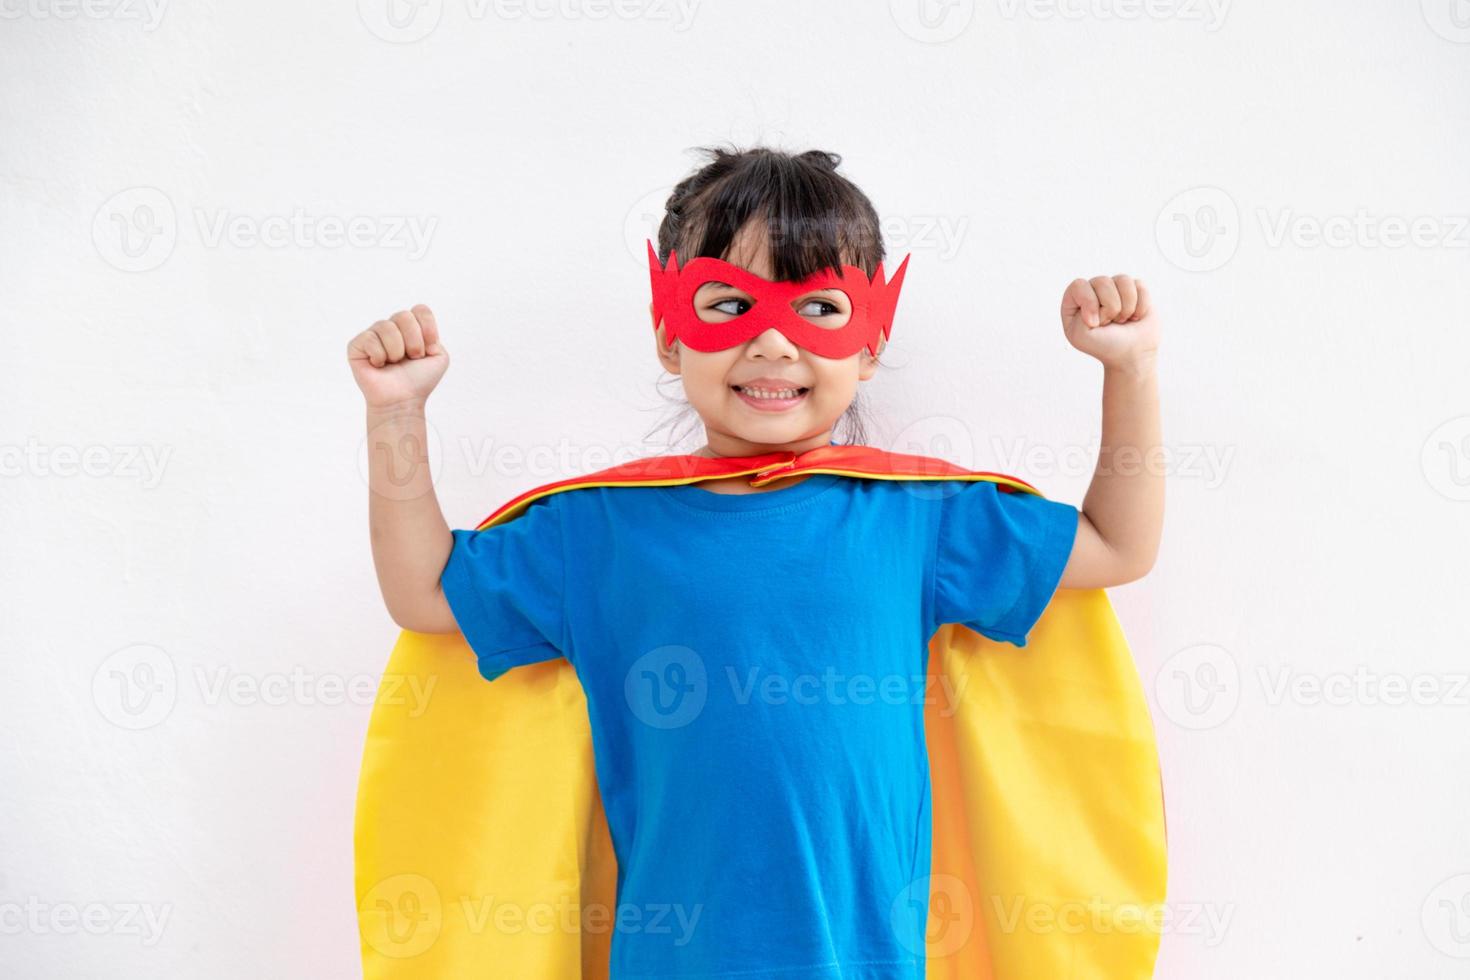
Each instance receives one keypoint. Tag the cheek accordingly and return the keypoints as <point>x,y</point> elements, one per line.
<point>837,378</point>
<point>836,395</point>
<point>705,371</point>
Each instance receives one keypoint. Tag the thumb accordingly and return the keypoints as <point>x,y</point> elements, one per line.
<point>1080,298</point>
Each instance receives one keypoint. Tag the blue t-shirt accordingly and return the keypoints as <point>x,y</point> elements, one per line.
<point>754,666</point>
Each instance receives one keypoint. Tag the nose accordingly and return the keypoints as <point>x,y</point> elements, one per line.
<point>772,343</point>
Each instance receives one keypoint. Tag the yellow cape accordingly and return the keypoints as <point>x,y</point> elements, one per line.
<point>482,849</point>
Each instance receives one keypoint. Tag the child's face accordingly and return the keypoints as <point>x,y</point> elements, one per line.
<point>712,380</point>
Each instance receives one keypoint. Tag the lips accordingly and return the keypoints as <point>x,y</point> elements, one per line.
<point>768,383</point>
<point>771,399</point>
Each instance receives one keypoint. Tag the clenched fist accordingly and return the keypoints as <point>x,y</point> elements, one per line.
<point>1112,319</point>
<point>398,360</point>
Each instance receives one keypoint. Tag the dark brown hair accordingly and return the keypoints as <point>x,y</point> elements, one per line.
<point>815,219</point>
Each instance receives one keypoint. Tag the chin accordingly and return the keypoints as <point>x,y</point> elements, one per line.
<point>770,432</point>
<point>773,435</point>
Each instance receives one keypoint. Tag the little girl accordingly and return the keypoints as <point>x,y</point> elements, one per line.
<point>750,654</point>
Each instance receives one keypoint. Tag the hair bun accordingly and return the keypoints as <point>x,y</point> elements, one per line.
<point>822,158</point>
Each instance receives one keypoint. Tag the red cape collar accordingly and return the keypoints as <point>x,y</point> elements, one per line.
<point>856,461</point>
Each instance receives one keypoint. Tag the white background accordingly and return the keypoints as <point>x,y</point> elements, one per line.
<point>181,436</point>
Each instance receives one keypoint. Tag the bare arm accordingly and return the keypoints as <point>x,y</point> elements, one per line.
<point>1122,516</point>
<point>397,363</point>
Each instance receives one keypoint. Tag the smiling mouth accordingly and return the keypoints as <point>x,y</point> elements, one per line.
<point>792,392</point>
<point>770,399</point>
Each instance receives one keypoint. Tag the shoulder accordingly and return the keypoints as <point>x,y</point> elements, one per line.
<point>983,506</point>
<point>914,467</point>
<point>561,494</point>
<point>534,507</point>
<point>948,492</point>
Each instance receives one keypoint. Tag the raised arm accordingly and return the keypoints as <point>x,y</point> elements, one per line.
<point>397,363</point>
<point>1113,320</point>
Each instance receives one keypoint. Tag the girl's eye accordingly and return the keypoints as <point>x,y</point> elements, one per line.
<point>818,307</point>
<point>733,306</point>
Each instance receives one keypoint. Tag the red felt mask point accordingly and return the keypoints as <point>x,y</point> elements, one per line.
<point>873,303</point>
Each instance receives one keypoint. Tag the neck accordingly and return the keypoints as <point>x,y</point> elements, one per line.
<point>721,445</point>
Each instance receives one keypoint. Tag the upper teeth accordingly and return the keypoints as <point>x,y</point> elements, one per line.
<point>768,393</point>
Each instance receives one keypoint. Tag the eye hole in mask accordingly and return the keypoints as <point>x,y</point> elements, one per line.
<point>720,302</point>
<point>693,312</point>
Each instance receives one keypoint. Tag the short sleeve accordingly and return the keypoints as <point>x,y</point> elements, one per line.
<point>505,587</point>
<point>998,558</point>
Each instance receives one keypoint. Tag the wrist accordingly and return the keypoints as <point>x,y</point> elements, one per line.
<point>400,408</point>
<point>1138,367</point>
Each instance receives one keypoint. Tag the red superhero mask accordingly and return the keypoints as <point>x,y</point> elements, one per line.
<point>872,302</point>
